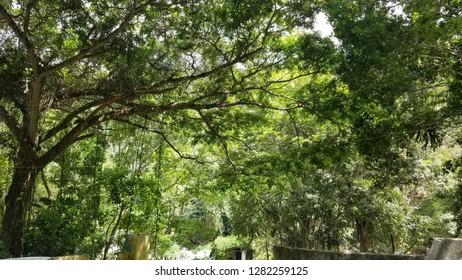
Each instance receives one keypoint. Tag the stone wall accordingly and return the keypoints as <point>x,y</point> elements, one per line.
<point>445,249</point>
<point>286,253</point>
<point>71,258</point>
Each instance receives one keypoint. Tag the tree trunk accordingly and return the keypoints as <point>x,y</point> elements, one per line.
<point>19,199</point>
<point>113,232</point>
<point>361,227</point>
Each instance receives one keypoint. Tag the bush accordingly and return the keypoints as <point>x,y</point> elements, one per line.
<point>222,243</point>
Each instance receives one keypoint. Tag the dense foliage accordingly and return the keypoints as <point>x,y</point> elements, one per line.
<point>208,124</point>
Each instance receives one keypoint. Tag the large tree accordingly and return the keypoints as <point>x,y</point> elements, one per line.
<point>69,66</point>
<point>401,62</point>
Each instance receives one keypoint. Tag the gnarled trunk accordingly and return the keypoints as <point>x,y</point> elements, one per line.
<point>18,201</point>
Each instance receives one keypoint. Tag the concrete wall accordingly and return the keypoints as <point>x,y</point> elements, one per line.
<point>71,258</point>
<point>136,247</point>
<point>445,249</point>
<point>286,253</point>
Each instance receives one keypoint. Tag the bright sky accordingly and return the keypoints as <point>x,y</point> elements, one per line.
<point>322,25</point>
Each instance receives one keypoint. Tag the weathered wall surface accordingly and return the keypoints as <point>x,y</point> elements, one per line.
<point>286,253</point>
<point>136,247</point>
<point>445,249</point>
<point>71,258</point>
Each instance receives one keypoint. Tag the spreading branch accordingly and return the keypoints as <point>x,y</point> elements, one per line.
<point>29,7</point>
<point>187,78</point>
<point>25,40</point>
<point>220,138</point>
<point>10,122</point>
<point>165,138</point>
<point>98,44</point>
<point>68,121</point>
<point>94,118</point>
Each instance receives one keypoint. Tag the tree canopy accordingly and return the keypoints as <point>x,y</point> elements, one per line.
<point>190,120</point>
